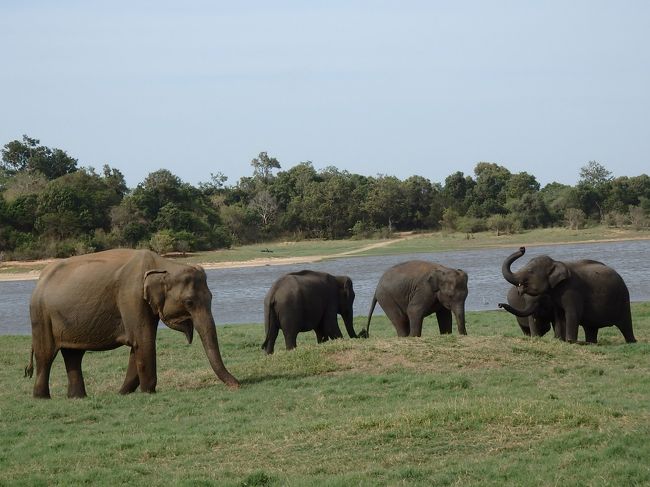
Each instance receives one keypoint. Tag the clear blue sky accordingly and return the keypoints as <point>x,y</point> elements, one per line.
<point>400,88</point>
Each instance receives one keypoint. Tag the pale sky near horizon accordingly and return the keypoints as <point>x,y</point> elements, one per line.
<point>372,87</point>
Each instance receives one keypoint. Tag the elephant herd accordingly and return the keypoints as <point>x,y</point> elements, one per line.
<point>108,299</point>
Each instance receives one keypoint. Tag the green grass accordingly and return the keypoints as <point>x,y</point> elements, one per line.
<point>492,408</point>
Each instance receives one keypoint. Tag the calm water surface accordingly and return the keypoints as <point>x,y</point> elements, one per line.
<point>239,293</point>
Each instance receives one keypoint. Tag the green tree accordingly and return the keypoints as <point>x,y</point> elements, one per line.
<point>263,166</point>
<point>489,195</point>
<point>386,201</point>
<point>458,190</point>
<point>593,189</point>
<point>27,155</point>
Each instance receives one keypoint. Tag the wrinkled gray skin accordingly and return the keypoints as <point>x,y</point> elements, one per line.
<point>307,300</point>
<point>410,291</point>
<point>584,292</point>
<point>104,300</point>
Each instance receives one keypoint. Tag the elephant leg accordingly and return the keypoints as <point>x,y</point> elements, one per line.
<point>543,327</point>
<point>72,359</point>
<point>132,380</point>
<point>523,324</point>
<point>591,334</point>
<point>399,319</point>
<point>269,344</point>
<point>145,358</point>
<point>444,321</point>
<point>532,325</point>
<point>571,326</point>
<point>626,326</point>
<point>331,325</point>
<point>44,359</point>
<point>320,337</point>
<point>415,322</point>
<point>290,339</point>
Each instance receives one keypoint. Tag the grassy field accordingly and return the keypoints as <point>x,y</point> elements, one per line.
<point>491,408</point>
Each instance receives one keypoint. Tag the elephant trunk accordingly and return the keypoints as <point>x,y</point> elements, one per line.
<point>505,268</point>
<point>522,313</point>
<point>459,314</point>
<point>349,326</point>
<point>204,324</point>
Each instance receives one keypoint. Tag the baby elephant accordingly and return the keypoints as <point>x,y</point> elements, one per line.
<point>307,300</point>
<point>409,291</point>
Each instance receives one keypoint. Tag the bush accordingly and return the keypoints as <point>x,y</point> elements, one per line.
<point>162,242</point>
<point>362,230</point>
<point>470,224</point>
<point>503,224</point>
<point>638,218</point>
<point>574,218</point>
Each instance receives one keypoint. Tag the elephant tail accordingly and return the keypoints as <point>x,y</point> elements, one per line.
<point>29,370</point>
<point>366,332</point>
<point>270,322</point>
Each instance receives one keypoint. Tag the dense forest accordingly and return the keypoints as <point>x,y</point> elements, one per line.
<point>52,207</point>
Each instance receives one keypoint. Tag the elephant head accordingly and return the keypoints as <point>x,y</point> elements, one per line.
<point>182,300</point>
<point>538,277</point>
<point>450,288</point>
<point>346,303</point>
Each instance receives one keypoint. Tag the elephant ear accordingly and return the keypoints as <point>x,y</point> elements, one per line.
<point>345,287</point>
<point>559,272</point>
<point>154,290</point>
<point>434,280</point>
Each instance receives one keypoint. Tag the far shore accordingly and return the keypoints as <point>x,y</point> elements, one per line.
<point>32,274</point>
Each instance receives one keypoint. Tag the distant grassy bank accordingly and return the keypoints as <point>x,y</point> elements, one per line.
<point>410,243</point>
<point>414,243</point>
<point>492,408</point>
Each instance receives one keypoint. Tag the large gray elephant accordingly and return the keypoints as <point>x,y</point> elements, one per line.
<point>104,300</point>
<point>584,292</point>
<point>307,300</point>
<point>409,291</point>
<point>535,314</point>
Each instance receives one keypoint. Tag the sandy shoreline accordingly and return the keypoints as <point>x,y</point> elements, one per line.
<point>267,261</point>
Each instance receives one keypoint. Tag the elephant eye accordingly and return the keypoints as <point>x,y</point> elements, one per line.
<point>189,303</point>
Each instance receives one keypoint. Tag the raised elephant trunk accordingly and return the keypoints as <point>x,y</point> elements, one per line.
<point>522,313</point>
<point>505,268</point>
<point>205,327</point>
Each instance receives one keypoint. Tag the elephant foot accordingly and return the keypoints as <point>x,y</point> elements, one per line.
<point>42,395</point>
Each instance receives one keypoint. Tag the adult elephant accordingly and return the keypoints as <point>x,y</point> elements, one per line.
<point>583,292</point>
<point>409,291</point>
<point>307,300</point>
<point>104,300</point>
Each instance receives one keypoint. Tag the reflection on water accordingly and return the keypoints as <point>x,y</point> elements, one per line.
<point>239,293</point>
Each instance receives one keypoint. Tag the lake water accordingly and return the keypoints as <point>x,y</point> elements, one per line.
<point>238,294</point>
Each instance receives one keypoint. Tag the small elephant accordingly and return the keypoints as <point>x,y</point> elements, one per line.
<point>583,292</point>
<point>307,300</point>
<point>104,300</point>
<point>535,314</point>
<point>409,291</point>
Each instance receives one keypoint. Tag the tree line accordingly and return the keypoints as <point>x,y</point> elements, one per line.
<point>52,207</point>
